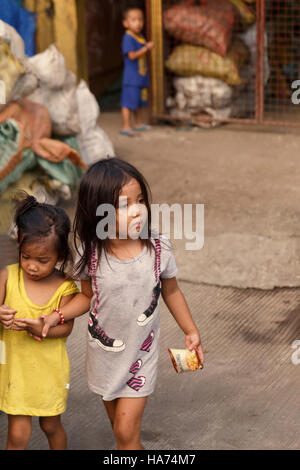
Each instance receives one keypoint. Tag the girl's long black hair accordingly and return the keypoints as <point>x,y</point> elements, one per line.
<point>102,184</point>
<point>36,220</point>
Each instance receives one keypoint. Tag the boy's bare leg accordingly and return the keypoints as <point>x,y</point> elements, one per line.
<point>127,422</point>
<point>126,114</point>
<point>126,119</point>
<point>19,432</point>
<point>139,119</point>
<point>55,433</point>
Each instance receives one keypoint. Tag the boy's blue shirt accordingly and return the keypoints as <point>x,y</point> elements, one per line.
<point>135,71</point>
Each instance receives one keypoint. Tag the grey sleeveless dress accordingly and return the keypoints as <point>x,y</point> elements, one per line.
<point>124,323</point>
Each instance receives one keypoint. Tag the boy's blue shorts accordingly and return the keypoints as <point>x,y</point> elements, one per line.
<point>133,97</point>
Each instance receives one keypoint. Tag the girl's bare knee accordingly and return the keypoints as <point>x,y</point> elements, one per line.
<point>50,425</point>
<point>18,434</point>
<point>17,439</point>
<point>125,432</point>
<point>127,422</point>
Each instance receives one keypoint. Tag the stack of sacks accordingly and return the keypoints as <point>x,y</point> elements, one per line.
<point>11,57</point>
<point>188,60</point>
<point>45,79</point>
<point>9,35</point>
<point>199,93</point>
<point>25,81</point>
<point>73,108</point>
<point>209,25</point>
<point>94,143</point>
<point>210,58</point>
<point>10,68</point>
<point>56,90</point>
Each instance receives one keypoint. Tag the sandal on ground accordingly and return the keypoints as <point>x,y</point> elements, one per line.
<point>144,127</point>
<point>129,133</point>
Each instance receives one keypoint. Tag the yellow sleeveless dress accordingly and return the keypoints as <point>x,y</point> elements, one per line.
<point>34,376</point>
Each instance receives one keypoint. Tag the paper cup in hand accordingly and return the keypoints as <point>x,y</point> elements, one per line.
<point>184,360</point>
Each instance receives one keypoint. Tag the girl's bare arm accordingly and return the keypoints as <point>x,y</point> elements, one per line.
<point>35,326</point>
<point>64,330</point>
<point>6,313</point>
<point>133,55</point>
<point>176,303</point>
<point>3,280</point>
<point>79,305</point>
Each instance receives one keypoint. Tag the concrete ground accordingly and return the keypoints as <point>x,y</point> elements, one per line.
<point>248,180</point>
<point>247,395</point>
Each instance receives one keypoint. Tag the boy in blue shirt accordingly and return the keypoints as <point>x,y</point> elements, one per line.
<point>135,76</point>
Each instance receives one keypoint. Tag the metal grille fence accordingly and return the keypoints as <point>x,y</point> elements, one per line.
<point>225,60</point>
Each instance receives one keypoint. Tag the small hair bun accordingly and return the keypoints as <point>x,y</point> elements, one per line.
<point>27,203</point>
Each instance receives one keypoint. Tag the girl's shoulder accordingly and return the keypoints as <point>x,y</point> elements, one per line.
<point>3,275</point>
<point>11,267</point>
<point>61,287</point>
<point>11,270</point>
<point>162,240</point>
<point>168,267</point>
<point>62,282</point>
<point>9,276</point>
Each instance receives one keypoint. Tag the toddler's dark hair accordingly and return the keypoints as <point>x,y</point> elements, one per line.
<point>36,220</point>
<point>128,8</point>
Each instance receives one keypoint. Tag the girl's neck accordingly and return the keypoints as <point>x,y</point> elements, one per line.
<point>125,248</point>
<point>41,292</point>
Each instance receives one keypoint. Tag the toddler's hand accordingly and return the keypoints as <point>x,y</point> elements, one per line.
<point>32,326</point>
<point>49,321</point>
<point>7,316</point>
<point>192,341</point>
<point>38,338</point>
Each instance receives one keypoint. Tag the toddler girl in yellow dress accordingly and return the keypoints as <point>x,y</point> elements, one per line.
<point>34,375</point>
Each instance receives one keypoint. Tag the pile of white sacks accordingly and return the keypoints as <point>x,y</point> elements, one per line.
<point>198,94</point>
<point>73,109</point>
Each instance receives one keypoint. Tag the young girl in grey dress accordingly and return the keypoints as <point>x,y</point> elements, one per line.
<point>122,277</point>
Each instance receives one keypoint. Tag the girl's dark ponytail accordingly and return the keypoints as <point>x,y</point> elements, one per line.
<point>25,204</point>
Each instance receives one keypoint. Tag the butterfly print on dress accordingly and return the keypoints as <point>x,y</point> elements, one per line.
<point>136,383</point>
<point>136,366</point>
<point>146,346</point>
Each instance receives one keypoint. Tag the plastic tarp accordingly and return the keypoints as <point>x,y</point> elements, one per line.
<point>25,131</point>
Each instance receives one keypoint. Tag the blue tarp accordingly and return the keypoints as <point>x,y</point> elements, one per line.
<point>22,20</point>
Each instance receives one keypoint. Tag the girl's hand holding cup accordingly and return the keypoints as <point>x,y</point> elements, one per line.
<point>192,341</point>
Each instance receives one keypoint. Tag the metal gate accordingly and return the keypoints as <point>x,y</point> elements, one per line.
<point>264,89</point>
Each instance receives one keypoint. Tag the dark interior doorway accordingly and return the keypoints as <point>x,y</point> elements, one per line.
<point>104,32</point>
